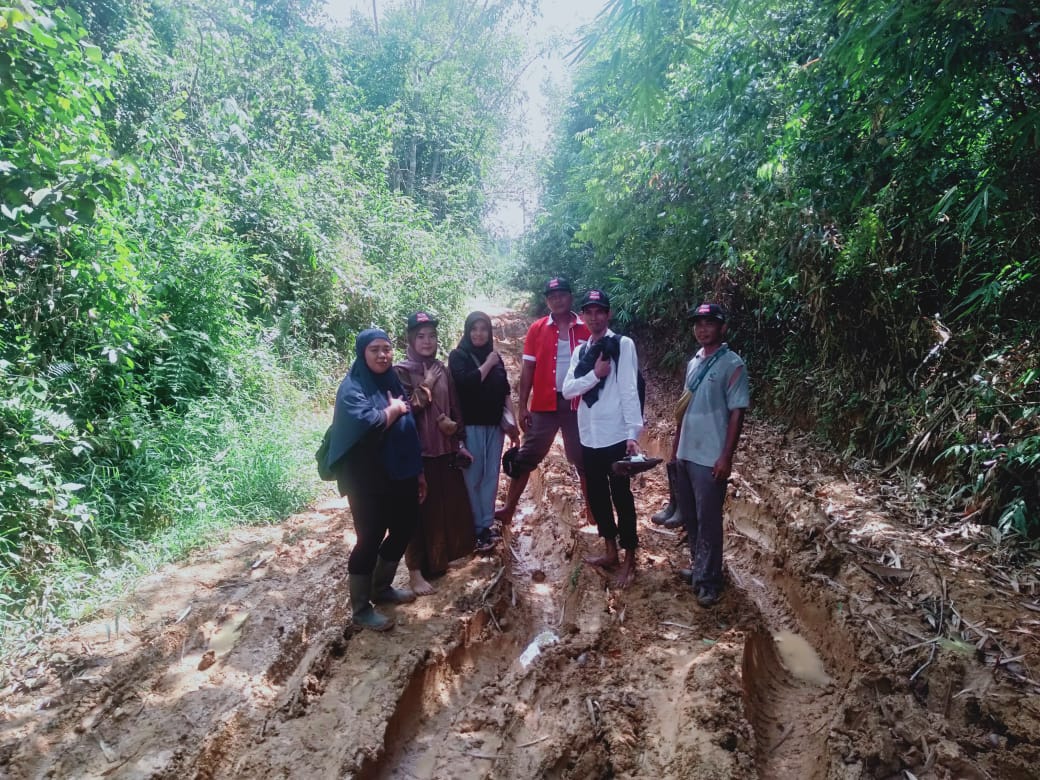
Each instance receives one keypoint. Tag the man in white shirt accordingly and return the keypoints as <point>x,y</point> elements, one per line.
<point>604,372</point>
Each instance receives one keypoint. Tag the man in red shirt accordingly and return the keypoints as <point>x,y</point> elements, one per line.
<point>547,356</point>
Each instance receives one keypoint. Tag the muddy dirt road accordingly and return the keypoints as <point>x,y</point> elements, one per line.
<point>863,636</point>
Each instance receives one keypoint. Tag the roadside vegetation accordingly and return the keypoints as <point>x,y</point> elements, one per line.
<point>201,203</point>
<point>856,181</point>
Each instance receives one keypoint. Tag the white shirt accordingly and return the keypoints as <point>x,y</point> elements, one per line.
<point>563,359</point>
<point>616,415</point>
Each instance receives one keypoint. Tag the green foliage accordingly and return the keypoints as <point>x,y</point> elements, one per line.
<point>855,181</point>
<point>446,72</point>
<point>200,204</point>
<point>153,490</point>
<point>53,147</point>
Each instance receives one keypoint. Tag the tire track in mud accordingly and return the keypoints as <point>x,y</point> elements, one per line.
<point>588,705</point>
<point>891,706</point>
<point>178,689</point>
<point>788,698</point>
<point>639,684</point>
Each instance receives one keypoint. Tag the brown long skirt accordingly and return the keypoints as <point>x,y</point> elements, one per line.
<point>445,529</point>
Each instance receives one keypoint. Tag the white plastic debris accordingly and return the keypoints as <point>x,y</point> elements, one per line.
<point>532,651</point>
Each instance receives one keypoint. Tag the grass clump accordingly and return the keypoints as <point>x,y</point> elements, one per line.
<point>178,485</point>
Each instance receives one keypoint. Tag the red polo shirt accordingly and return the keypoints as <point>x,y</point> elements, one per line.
<point>540,349</point>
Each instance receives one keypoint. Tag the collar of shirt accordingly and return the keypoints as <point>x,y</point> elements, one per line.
<point>700,352</point>
<point>592,339</point>
<point>572,318</point>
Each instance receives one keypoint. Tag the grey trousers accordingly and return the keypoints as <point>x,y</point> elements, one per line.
<point>538,439</point>
<point>700,498</point>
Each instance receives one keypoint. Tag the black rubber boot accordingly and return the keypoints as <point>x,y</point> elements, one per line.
<point>675,519</point>
<point>662,517</point>
<point>383,590</point>
<point>365,615</point>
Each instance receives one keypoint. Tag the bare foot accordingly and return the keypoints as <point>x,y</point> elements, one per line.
<point>604,561</point>
<point>609,559</point>
<point>419,584</point>
<point>628,571</point>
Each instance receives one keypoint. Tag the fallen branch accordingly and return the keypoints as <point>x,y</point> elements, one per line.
<point>1016,659</point>
<point>534,741</point>
<point>747,486</point>
<point>491,614</point>
<point>922,667</point>
<point>592,706</point>
<point>931,641</point>
<point>876,632</point>
<point>563,611</point>
<point>492,584</point>
<point>519,562</point>
<point>783,737</point>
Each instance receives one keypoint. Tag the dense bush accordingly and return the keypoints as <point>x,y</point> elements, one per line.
<point>856,181</point>
<point>199,206</point>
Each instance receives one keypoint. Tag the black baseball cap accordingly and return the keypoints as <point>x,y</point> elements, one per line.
<point>711,311</point>
<point>557,284</point>
<point>421,318</point>
<point>595,298</point>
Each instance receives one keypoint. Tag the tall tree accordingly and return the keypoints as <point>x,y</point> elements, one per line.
<point>448,70</point>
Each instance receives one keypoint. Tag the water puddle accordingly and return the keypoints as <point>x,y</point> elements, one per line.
<point>800,658</point>
<point>228,634</point>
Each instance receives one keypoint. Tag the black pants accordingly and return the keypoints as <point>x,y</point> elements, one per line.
<point>384,522</point>
<point>605,486</point>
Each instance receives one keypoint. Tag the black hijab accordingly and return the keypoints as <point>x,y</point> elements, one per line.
<point>480,399</point>
<point>466,343</point>
<point>359,404</point>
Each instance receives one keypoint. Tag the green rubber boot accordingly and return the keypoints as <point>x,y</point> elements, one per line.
<point>365,615</point>
<point>383,590</point>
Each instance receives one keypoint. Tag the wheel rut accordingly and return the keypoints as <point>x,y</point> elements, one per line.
<point>243,663</point>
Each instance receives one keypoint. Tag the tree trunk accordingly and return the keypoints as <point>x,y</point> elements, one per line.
<point>435,167</point>
<point>413,150</point>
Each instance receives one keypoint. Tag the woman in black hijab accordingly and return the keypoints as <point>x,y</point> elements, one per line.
<point>374,452</point>
<point>483,388</point>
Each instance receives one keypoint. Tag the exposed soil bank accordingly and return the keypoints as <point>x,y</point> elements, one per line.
<point>858,640</point>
